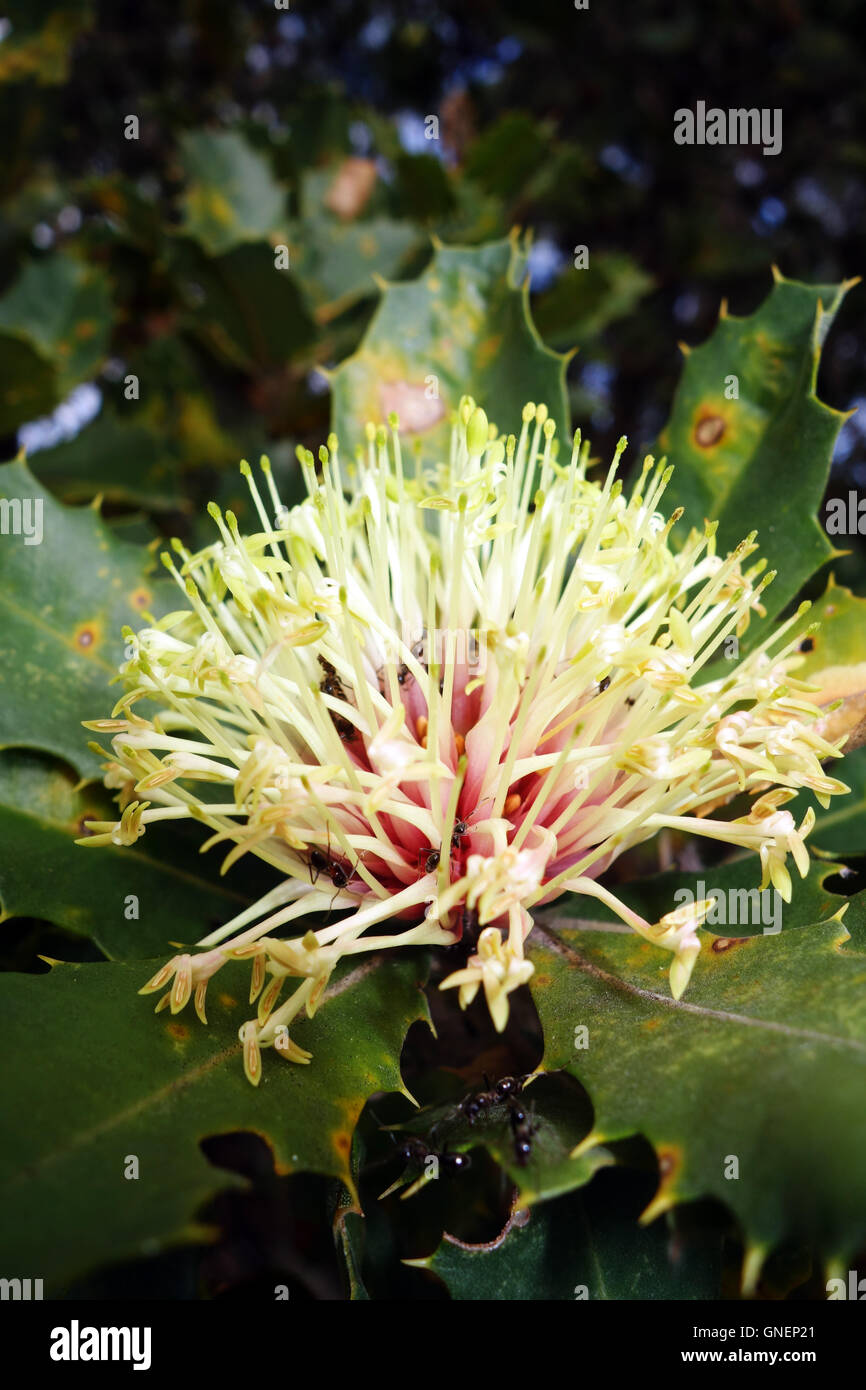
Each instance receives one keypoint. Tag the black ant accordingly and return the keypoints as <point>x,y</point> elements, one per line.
<point>603,685</point>
<point>416,1151</point>
<point>523,1127</point>
<point>460,829</point>
<point>454,1163</point>
<point>494,1095</point>
<point>507,1092</point>
<point>324,864</point>
<point>430,858</point>
<point>331,684</point>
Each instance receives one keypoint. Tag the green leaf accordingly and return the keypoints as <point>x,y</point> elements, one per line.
<point>743,912</point>
<point>335,261</point>
<point>28,384</point>
<point>834,660</point>
<point>174,895</point>
<point>63,603</point>
<point>839,645</point>
<point>462,327</point>
<point>763,1061</point>
<point>760,460</point>
<point>840,831</point>
<point>97,1078</point>
<point>232,196</point>
<point>507,153</point>
<point>584,1246</point>
<point>583,302</point>
<point>122,461</point>
<point>58,311</point>
<point>248,312</point>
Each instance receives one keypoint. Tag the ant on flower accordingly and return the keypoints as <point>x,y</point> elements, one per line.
<point>331,684</point>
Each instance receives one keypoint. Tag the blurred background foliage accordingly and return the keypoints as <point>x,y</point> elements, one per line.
<point>260,126</point>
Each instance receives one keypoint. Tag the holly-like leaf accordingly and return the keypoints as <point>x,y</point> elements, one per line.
<point>98,1080</point>
<point>231,195</point>
<point>586,1246</point>
<point>752,1088</point>
<point>462,327</point>
<point>131,902</point>
<point>750,441</point>
<point>63,601</point>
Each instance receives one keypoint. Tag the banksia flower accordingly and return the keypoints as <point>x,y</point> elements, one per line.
<point>435,700</point>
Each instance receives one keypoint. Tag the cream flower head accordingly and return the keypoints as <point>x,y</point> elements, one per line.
<point>439,699</point>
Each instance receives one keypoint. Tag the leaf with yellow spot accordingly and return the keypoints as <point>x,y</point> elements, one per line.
<point>753,1084</point>
<point>97,1077</point>
<point>463,326</point>
<point>60,642</point>
<point>749,439</point>
<point>232,195</point>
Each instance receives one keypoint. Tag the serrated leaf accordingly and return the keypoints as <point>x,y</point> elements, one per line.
<point>462,327</point>
<point>760,460</point>
<point>63,603</point>
<point>763,1061</point>
<point>131,902</point>
<point>97,1078</point>
<point>232,195</point>
<point>579,1247</point>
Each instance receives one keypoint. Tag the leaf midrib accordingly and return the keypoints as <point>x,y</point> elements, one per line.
<point>179,1083</point>
<point>574,958</point>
